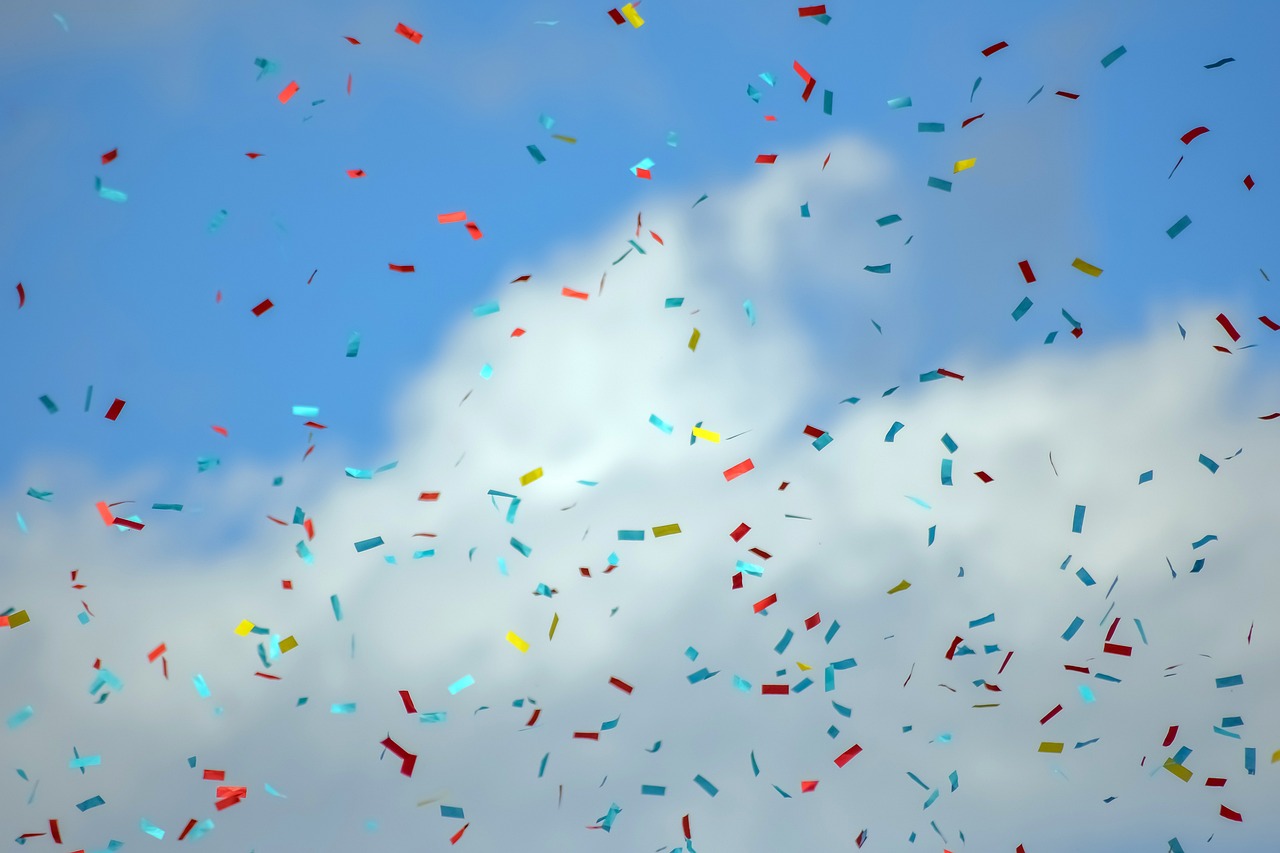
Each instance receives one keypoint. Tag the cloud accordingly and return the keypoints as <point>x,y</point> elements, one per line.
<point>574,396</point>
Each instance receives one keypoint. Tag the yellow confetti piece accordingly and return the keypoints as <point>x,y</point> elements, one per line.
<point>804,667</point>
<point>988,705</point>
<point>1177,770</point>
<point>572,140</point>
<point>288,644</point>
<point>693,340</point>
<point>629,12</point>
<point>21,618</point>
<point>699,432</point>
<point>900,587</point>
<point>961,165</point>
<point>514,639</point>
<point>666,529</point>
<point>555,620</point>
<point>1087,268</point>
<point>1049,746</point>
<point>244,628</point>
<point>1275,756</point>
<point>535,474</point>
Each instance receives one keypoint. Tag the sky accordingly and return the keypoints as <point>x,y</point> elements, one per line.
<point>539,370</point>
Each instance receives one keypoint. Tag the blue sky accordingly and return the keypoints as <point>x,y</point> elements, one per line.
<point>121,297</point>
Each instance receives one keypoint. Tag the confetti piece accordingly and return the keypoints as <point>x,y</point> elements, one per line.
<point>1248,185</point>
<point>1086,268</point>
<point>1228,681</point>
<point>116,408</point>
<point>515,640</point>
<point>1113,56</point>
<point>633,17</point>
<point>1022,308</point>
<point>1220,62</point>
<point>931,127</point>
<point>998,46</point>
<point>738,470</point>
<point>1209,463</point>
<point>848,755</point>
<point>366,544</point>
<point>108,193</point>
<point>1193,133</point>
<point>288,92</point>
<point>91,803</point>
<point>962,165</point>
<point>1049,746</point>
<point>899,103</point>
<point>263,307</point>
<point>461,684</point>
<point>1178,227</point>
<point>1077,519</point>
<point>409,33</point>
<point>970,120</point>
<point>939,184</point>
<point>21,716</point>
<point>880,269</point>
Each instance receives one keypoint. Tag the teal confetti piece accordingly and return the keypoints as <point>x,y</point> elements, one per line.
<point>546,121</point>
<point>822,441</point>
<point>949,443</point>
<point>278,481</point>
<point>646,164</point>
<point>524,549</point>
<point>535,154</point>
<point>939,184</point>
<point>802,685</point>
<point>828,97</point>
<point>1072,628</point>
<point>418,555</point>
<point>1146,477</point>
<point>930,127</point>
<point>750,310</point>
<point>204,463</point>
<point>851,400</point>
<point>1087,695</point>
<point>366,544</point>
<point>1049,339</point>
<point>661,424</point>
<point>20,717</point>
<point>636,246</point>
<point>434,717</point>
<point>932,798</point>
<point>486,371</point>
<point>673,302</point>
<point>768,78</point>
<point>954,779</point>
<point>653,790</point>
<point>985,620</point>
<point>201,687</point>
<point>893,431</point>
<point>702,783</point>
<point>342,708</point>
<point>62,22</point>
<point>750,568</point>
<point>1229,681</point>
<point>831,632</point>
<point>88,397</point>
<point>306,411</point>
<point>542,766</point>
<point>151,829</point>
<point>700,200</point>
<point>657,745</point>
<point>673,138</point>
<point>39,495</point>
<point>1036,95</point>
<point>461,684</point>
<point>784,642</point>
<point>91,803</point>
<point>82,761</point>
<point>918,501</point>
<point>691,653</point>
<point>1182,331</point>
<point>1077,520</point>
<point>1178,227</point>
<point>1085,577</point>
<point>609,725</point>
<point>701,675</point>
<point>1232,722</point>
<point>337,607</point>
<point>1251,760</point>
<point>623,255</point>
<point>172,507</point>
<point>930,376</point>
<point>1113,56</point>
<point>108,193</point>
<point>218,218</point>
<point>974,91</point>
<point>933,533</point>
<point>879,269</point>
<point>1174,846</point>
<point>753,93</point>
<point>49,405</point>
<point>202,828</point>
<point>1105,677</point>
<point>630,536</point>
<point>888,220</point>
<point>804,210</point>
<point>1209,463</point>
<point>265,66</point>
<point>740,683</point>
<point>453,812</point>
<point>946,472</point>
<point>353,345</point>
<point>1218,64</point>
<point>1226,733</point>
<point>1023,307</point>
<point>1204,540</point>
<point>272,791</point>
<point>899,103</point>
<point>917,780</point>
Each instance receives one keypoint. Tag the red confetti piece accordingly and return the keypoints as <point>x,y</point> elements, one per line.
<point>955,644</point>
<point>1231,814</point>
<point>739,532</point>
<point>804,75</point>
<point>970,120</point>
<point>1269,323</point>
<point>268,677</point>
<point>215,775</point>
<point>1006,663</point>
<point>825,162</point>
<point>807,785</point>
<point>428,496</point>
<point>191,824</point>
<point>1070,95</point>
<point>1193,133</point>
<point>621,685</point>
<point>227,803</point>
<point>222,431</point>
<point>775,689</point>
<point>409,33</point>
<point>348,84</point>
<point>263,307</point>
<point>456,216</point>
<point>1083,669</point>
<point>848,755</point>
<point>517,332</point>
<point>288,92</point>
<point>53,831</point>
<point>814,432</point>
<point>129,523</point>
<point>983,476</point>
<point>811,11</point>
<point>352,40</point>
<point>949,374</point>
<point>286,584</point>
<point>400,267</point>
<point>1117,649</point>
<point>643,173</point>
<point>457,836</point>
<point>998,46</point>
<point>355,173</point>
<point>737,581</point>
<point>617,16</point>
<point>1170,735</point>
<point>586,735</point>
<point>252,155</point>
<point>309,526</point>
<point>812,622</point>
<point>1111,632</point>
<point>22,295</point>
<point>1027,275</point>
<point>766,158</point>
<point>738,470</point>
<point>110,155</point>
<point>155,653</point>
<point>1215,782</point>
<point>518,278</point>
<point>657,238</point>
<point>764,555</point>
<point>574,294</point>
<point>407,759</point>
<point>1226,324</point>
<point>684,824</point>
<point>1077,332</point>
<point>783,486</point>
<point>231,791</point>
<point>474,231</point>
<point>116,408</point>
<point>1222,349</point>
<point>408,702</point>
<point>766,602</point>
<point>1049,716</point>
<point>314,425</point>
<point>533,718</point>
<point>1248,182</point>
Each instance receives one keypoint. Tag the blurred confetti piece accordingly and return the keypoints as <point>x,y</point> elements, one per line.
<point>514,639</point>
<point>461,684</point>
<point>409,33</point>
<point>1086,267</point>
<point>288,92</point>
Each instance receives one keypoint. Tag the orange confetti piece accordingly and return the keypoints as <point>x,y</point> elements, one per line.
<point>474,231</point>
<point>288,92</point>
<point>738,470</point>
<point>409,33</point>
<point>456,216</point>
<point>355,173</point>
<point>573,294</point>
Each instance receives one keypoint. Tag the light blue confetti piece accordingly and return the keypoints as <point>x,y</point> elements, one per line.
<point>946,472</point>
<point>1085,693</point>
<point>653,790</point>
<point>542,765</point>
<point>784,642</point>
<point>893,431</point>
<point>691,653</point>
<point>1036,95</point>
<point>1049,338</point>
<point>91,803</point>
<point>218,218</point>
<point>1229,681</point>
<point>1023,307</point>
<point>700,200</point>
<point>899,103</point>
<point>453,812</point>
<point>535,154</point>
<point>201,687</point>
<point>1146,477</point>
<point>1085,577</point>
<point>740,683</point>
<point>822,441</point>
<point>1072,628</point>
<point>343,708</point>
<point>151,829</point>
<point>62,22</point>
<point>108,193</point>
<point>831,632</point>
<point>366,544</point>
<point>1178,227</point>
<point>21,717</point>
<point>83,761</point>
<point>204,463</point>
<point>337,607</point>
<point>888,220</point>
<point>1175,847</point>
<point>940,184</point>
<point>673,302</point>
<point>1204,540</point>
<point>646,164</point>
<point>931,376</point>
<point>661,424</point>
<point>1113,56</point>
<point>702,783</point>
<point>701,675</point>
<point>629,536</point>
<point>930,127</point>
<point>1141,633</point>
<point>932,798</point>
<point>485,309</point>
<point>546,121</point>
<point>22,522</point>
<point>918,501</point>
<point>802,685</point>
<point>879,269</point>
<point>83,617</point>
<point>851,400</point>
<point>418,555</point>
<point>486,371</point>
<point>1209,463</point>
<point>804,210</point>
<point>945,737</point>
<point>434,717</point>
<point>753,93</point>
<point>609,725</point>
<point>1251,760</point>
<point>673,138</point>
<point>461,684</point>
<point>985,620</point>
<point>933,531</point>
<point>613,558</point>
<point>1182,755</point>
<point>511,510</point>
<point>307,411</point>
<point>272,791</point>
<point>949,443</point>
<point>1077,520</point>
<point>1105,677</point>
<point>974,91</point>
<point>767,77</point>
<point>524,549</point>
<point>606,822</point>
<point>202,828</point>
<point>828,100</point>
<point>88,396</point>
<point>750,568</point>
